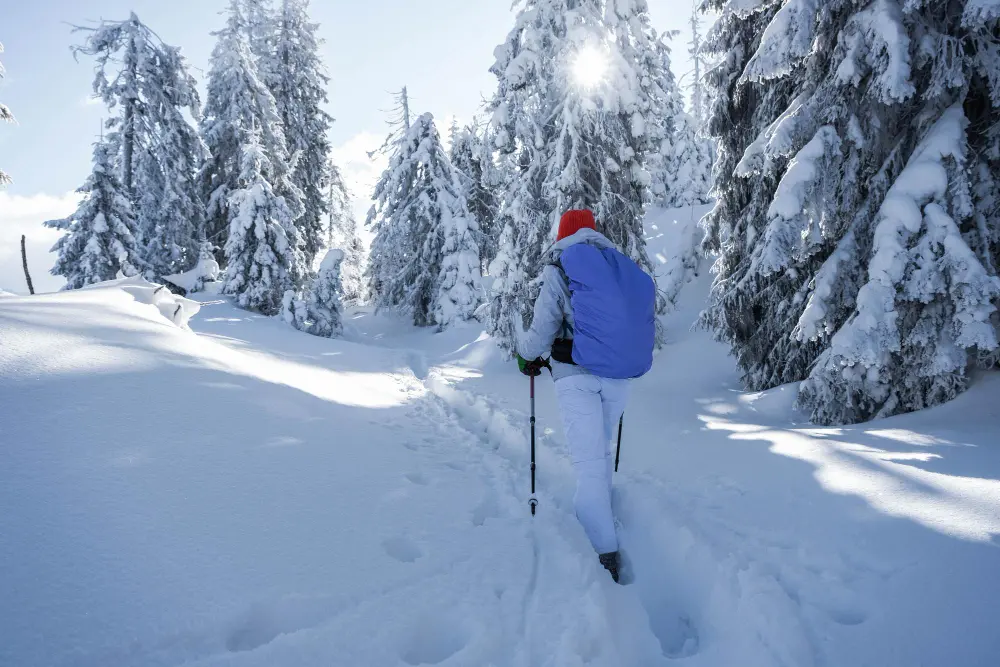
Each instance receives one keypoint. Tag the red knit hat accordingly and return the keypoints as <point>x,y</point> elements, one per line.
<point>574,221</point>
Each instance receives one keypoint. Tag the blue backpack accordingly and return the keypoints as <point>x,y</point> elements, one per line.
<point>614,304</point>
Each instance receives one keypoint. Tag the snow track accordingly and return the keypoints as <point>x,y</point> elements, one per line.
<point>682,583</point>
<point>644,624</point>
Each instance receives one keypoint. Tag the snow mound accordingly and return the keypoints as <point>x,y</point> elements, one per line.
<point>176,309</point>
<point>194,280</point>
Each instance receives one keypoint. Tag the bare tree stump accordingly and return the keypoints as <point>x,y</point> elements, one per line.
<point>24,263</point>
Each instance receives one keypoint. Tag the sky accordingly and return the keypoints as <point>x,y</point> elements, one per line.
<point>440,49</point>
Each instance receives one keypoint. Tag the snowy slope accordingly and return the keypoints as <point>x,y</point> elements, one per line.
<point>244,494</point>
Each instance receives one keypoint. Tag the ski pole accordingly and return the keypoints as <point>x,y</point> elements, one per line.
<point>534,501</point>
<point>618,454</point>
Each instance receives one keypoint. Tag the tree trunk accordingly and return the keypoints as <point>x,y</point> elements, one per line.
<point>128,129</point>
<point>24,263</point>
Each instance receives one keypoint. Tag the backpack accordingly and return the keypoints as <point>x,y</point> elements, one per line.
<point>614,304</point>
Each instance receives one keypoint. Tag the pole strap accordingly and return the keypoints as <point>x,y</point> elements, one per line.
<point>618,454</point>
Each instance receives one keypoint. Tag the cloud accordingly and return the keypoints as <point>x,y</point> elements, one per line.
<point>360,171</point>
<point>19,215</point>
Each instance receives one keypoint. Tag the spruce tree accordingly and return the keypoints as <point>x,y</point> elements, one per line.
<point>263,260</point>
<point>8,117</point>
<point>473,160</point>
<point>158,149</point>
<point>698,63</point>
<point>239,104</point>
<point>342,233</point>
<point>261,32</point>
<point>319,311</point>
<point>686,167</point>
<point>681,165</point>
<point>858,152</point>
<point>570,137</point>
<point>99,241</point>
<point>298,80</point>
<point>424,259</point>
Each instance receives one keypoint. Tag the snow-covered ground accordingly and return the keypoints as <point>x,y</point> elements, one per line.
<point>245,494</point>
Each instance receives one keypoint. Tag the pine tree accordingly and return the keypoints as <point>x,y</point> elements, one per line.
<point>473,161</point>
<point>681,166</point>
<point>6,116</point>
<point>170,214</point>
<point>698,62</point>
<point>424,259</point>
<point>298,81</point>
<point>261,32</point>
<point>99,241</point>
<point>857,156</point>
<point>159,150</point>
<point>239,105</point>
<point>342,233</point>
<point>686,176</point>
<point>569,142</point>
<point>263,260</point>
<point>319,312</point>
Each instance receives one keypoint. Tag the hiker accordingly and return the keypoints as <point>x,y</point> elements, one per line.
<point>595,317</point>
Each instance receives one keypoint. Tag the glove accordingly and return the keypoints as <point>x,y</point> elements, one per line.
<point>530,368</point>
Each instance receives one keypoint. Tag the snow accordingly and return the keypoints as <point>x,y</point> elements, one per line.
<point>785,42</point>
<point>981,11</point>
<point>245,494</point>
<point>883,22</point>
<point>206,270</point>
<point>792,220</point>
<point>916,196</point>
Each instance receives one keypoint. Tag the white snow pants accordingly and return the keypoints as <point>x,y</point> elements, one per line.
<point>591,407</point>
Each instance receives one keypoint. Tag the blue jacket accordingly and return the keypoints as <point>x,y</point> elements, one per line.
<point>553,316</point>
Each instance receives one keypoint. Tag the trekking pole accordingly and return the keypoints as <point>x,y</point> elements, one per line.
<point>618,454</point>
<point>534,501</point>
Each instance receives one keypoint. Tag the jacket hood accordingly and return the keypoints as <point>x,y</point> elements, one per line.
<point>588,236</point>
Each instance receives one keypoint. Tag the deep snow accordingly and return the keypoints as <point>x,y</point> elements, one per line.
<point>245,494</point>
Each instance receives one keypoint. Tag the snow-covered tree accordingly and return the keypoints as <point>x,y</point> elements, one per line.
<point>342,233</point>
<point>425,257</point>
<point>297,78</point>
<point>5,116</point>
<point>856,223</point>
<point>263,259</point>
<point>261,32</point>
<point>319,311</point>
<point>685,178</point>
<point>697,72</point>
<point>576,118</point>
<point>159,150</point>
<point>681,167</point>
<point>473,160</point>
<point>170,214</point>
<point>99,241</point>
<point>240,105</point>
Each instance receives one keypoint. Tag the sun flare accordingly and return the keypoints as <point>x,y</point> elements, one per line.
<point>590,66</point>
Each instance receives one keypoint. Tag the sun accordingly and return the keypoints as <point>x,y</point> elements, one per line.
<point>590,66</point>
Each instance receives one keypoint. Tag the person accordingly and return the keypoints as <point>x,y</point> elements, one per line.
<point>592,396</point>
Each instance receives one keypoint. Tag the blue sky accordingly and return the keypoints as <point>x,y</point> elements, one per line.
<point>440,49</point>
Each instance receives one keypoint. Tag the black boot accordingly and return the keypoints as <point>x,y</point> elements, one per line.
<point>611,563</point>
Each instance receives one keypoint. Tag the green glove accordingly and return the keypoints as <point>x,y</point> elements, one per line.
<point>530,368</point>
